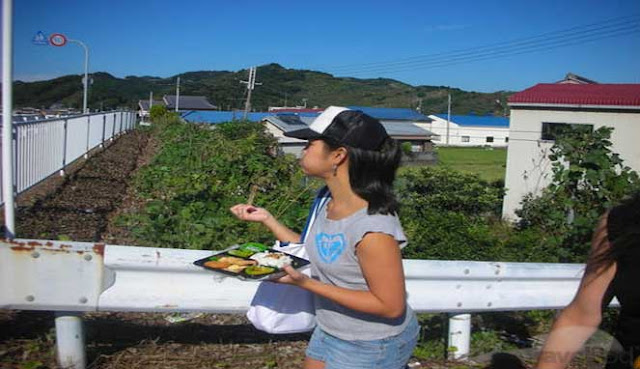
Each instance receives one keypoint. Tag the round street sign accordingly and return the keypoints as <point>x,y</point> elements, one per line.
<point>57,39</point>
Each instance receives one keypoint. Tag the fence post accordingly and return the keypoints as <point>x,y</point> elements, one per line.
<point>64,148</point>
<point>104,123</point>
<point>113,128</point>
<point>459,336</point>
<point>70,340</point>
<point>86,153</point>
<point>121,119</point>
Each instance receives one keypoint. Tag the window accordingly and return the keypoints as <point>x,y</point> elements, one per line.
<point>489,138</point>
<point>506,140</point>
<point>551,131</point>
<point>466,138</point>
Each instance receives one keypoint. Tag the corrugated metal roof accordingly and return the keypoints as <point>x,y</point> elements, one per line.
<point>579,94</point>
<point>392,113</point>
<point>405,129</point>
<point>214,117</point>
<point>188,102</point>
<point>477,120</point>
<point>290,122</point>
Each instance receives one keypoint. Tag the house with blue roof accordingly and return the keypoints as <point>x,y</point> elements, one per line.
<point>468,130</point>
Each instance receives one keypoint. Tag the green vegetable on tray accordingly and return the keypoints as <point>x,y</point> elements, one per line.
<point>258,270</point>
<point>254,247</point>
<point>241,253</point>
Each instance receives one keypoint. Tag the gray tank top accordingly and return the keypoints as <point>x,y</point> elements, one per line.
<point>331,247</point>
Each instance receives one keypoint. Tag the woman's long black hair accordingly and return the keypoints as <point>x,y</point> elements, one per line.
<point>623,234</point>
<point>371,174</point>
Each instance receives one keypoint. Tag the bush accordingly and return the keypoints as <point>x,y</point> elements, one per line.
<point>448,214</point>
<point>588,178</point>
<point>158,112</point>
<point>200,173</point>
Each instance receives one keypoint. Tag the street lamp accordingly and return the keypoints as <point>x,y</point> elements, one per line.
<point>86,75</point>
<point>58,39</point>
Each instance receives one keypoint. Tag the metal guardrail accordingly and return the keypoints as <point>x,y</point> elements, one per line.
<point>44,147</point>
<point>79,276</point>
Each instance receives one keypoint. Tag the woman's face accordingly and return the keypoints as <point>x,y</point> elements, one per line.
<point>316,159</point>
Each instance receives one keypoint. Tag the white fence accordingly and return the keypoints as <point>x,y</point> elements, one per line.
<point>79,276</point>
<point>44,147</point>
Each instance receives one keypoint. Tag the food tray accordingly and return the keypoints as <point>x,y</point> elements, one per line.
<point>251,261</point>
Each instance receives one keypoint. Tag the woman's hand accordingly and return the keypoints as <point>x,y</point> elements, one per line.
<point>293,277</point>
<point>250,213</point>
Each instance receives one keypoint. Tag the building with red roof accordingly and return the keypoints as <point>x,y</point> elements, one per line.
<point>540,112</point>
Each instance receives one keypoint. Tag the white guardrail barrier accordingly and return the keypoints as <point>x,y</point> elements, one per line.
<point>78,276</point>
<point>44,147</point>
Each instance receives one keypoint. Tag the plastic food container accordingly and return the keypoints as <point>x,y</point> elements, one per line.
<point>251,261</point>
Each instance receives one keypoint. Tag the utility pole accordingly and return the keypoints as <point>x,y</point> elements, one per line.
<point>448,116</point>
<point>177,94</point>
<point>150,105</point>
<point>251,84</point>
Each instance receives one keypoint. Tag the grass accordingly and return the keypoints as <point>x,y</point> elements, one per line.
<point>489,164</point>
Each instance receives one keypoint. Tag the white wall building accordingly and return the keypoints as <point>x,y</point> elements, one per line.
<point>538,111</point>
<point>468,130</point>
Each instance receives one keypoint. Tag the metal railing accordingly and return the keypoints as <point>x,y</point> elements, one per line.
<point>80,276</point>
<point>44,147</point>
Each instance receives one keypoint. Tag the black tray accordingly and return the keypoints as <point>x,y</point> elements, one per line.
<point>239,251</point>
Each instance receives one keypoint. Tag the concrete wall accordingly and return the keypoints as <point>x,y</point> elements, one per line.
<point>529,169</point>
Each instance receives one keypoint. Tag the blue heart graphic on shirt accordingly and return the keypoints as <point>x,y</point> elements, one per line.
<point>330,246</point>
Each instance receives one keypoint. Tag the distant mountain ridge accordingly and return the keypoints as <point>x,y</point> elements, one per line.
<point>280,86</point>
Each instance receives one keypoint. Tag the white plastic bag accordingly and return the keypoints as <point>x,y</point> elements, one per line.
<point>282,308</point>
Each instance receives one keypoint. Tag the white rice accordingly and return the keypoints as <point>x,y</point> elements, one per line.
<point>272,259</point>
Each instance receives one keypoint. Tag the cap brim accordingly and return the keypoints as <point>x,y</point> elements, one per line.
<point>303,134</point>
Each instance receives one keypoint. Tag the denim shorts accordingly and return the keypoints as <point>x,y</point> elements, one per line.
<point>387,353</point>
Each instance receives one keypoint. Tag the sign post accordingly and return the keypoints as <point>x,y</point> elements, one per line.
<point>59,40</point>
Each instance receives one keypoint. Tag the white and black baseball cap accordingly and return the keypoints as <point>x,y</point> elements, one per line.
<point>343,126</point>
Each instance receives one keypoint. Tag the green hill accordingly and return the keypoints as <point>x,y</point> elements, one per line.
<point>279,84</point>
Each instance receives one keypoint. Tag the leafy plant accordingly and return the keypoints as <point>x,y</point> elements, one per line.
<point>588,178</point>
<point>200,173</point>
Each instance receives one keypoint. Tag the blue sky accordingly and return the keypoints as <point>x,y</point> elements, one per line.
<point>163,38</point>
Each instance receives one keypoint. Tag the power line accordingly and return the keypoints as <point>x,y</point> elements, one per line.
<point>547,41</point>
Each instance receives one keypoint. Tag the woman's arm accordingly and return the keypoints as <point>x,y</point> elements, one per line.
<point>381,264</point>
<point>255,214</point>
<point>580,319</point>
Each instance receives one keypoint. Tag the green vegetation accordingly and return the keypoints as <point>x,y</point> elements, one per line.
<point>222,89</point>
<point>200,173</point>
<point>447,214</point>
<point>588,178</point>
<point>490,164</point>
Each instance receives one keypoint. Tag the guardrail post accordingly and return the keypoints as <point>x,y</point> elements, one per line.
<point>86,154</point>
<point>70,340</point>
<point>459,336</point>
<point>64,149</point>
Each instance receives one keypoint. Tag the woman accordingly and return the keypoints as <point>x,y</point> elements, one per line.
<point>612,270</point>
<point>363,320</point>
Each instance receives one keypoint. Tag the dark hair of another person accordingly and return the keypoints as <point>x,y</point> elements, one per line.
<point>371,174</point>
<point>623,234</point>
